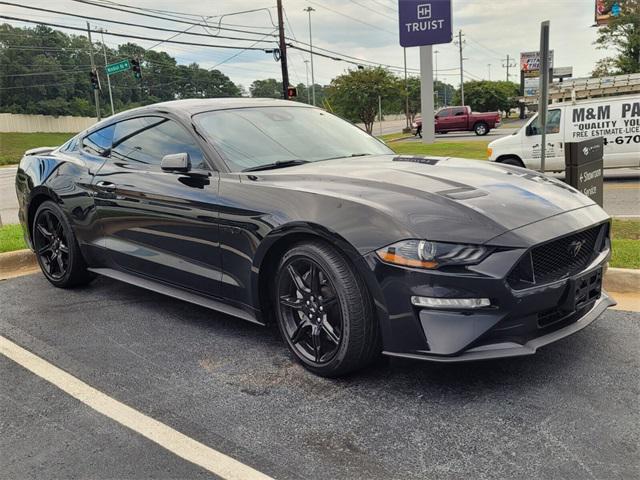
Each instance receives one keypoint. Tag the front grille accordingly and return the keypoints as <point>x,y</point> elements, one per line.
<point>557,259</point>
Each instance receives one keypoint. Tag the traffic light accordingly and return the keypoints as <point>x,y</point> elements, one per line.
<point>292,92</point>
<point>135,66</point>
<point>95,80</point>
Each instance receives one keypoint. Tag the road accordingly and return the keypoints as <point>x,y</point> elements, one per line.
<point>571,411</point>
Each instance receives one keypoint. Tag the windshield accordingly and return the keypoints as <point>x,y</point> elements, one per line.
<point>253,137</point>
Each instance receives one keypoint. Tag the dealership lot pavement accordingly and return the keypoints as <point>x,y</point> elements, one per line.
<point>571,411</point>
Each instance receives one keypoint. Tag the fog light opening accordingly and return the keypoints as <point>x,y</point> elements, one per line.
<point>451,303</point>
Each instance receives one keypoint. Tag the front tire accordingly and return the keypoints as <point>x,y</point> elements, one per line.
<point>324,311</point>
<point>515,161</point>
<point>56,248</point>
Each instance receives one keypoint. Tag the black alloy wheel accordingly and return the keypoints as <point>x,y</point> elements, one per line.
<point>311,312</point>
<point>56,248</point>
<point>324,310</point>
<point>51,245</point>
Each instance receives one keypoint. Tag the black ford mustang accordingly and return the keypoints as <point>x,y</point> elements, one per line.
<point>277,211</point>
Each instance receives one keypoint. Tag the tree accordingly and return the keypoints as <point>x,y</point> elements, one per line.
<point>621,34</point>
<point>486,96</point>
<point>354,95</point>
<point>268,88</point>
<point>45,71</point>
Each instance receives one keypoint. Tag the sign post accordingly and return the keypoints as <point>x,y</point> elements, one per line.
<point>544,90</point>
<point>584,167</point>
<point>423,23</point>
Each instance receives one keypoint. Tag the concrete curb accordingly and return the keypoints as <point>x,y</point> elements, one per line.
<point>16,263</point>
<point>620,280</point>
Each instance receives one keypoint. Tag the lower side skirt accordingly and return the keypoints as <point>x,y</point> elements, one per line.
<point>175,292</point>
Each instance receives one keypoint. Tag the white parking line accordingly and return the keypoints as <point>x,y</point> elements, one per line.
<point>165,436</point>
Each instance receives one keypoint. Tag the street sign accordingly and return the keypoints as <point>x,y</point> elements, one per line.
<point>584,167</point>
<point>424,22</point>
<point>117,67</point>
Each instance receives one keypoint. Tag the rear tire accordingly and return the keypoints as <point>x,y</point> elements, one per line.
<point>56,248</point>
<point>481,129</point>
<point>324,311</point>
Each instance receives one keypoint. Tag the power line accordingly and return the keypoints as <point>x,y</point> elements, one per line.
<point>138,37</point>
<point>347,16</point>
<point>129,24</point>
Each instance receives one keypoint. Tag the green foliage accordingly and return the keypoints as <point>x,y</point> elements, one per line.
<point>354,95</point>
<point>487,96</point>
<point>621,35</point>
<point>45,71</point>
<point>268,88</point>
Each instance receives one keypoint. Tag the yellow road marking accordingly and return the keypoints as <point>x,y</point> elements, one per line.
<point>159,433</point>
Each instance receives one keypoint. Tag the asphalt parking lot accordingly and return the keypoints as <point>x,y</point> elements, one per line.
<point>571,411</point>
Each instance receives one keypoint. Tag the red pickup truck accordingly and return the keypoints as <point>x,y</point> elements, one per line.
<point>458,119</point>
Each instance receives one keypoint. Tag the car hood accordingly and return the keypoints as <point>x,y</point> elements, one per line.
<point>437,198</point>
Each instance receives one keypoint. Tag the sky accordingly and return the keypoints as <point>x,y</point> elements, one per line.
<point>367,29</point>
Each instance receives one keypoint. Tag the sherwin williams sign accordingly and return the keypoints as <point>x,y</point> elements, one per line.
<point>424,22</point>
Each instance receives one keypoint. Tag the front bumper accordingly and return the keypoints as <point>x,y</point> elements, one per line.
<point>517,322</point>
<point>512,349</point>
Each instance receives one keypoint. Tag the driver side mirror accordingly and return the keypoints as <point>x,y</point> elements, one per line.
<point>177,162</point>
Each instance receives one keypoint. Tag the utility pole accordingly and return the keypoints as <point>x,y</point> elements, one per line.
<point>313,80</point>
<point>489,67</point>
<point>96,94</point>
<point>508,65</point>
<point>461,67</point>
<point>306,67</point>
<point>104,52</point>
<point>283,53</point>
<point>406,91</point>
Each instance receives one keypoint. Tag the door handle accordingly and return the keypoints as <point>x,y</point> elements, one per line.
<point>106,186</point>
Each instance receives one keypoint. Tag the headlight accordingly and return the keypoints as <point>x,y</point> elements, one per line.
<point>425,254</point>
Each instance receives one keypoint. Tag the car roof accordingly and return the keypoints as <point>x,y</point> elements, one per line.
<point>192,106</point>
<point>189,107</point>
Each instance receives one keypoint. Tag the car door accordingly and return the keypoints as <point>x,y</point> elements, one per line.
<point>459,119</point>
<point>532,142</point>
<point>443,120</point>
<point>156,223</point>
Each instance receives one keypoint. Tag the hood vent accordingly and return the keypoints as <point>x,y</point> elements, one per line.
<point>426,161</point>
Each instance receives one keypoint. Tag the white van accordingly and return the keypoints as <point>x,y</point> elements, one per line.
<point>617,119</point>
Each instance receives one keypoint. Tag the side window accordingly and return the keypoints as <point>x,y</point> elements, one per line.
<point>70,146</point>
<point>445,112</point>
<point>99,142</point>
<point>459,111</point>
<point>145,140</point>
<point>553,123</point>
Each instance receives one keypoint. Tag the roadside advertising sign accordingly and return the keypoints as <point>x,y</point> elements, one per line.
<point>605,10</point>
<point>424,22</point>
<point>530,61</point>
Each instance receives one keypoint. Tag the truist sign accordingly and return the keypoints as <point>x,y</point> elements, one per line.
<point>424,22</point>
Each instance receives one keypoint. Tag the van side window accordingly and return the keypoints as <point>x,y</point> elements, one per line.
<point>99,142</point>
<point>553,123</point>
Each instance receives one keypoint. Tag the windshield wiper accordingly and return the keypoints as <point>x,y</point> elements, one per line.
<point>349,156</point>
<point>278,164</point>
